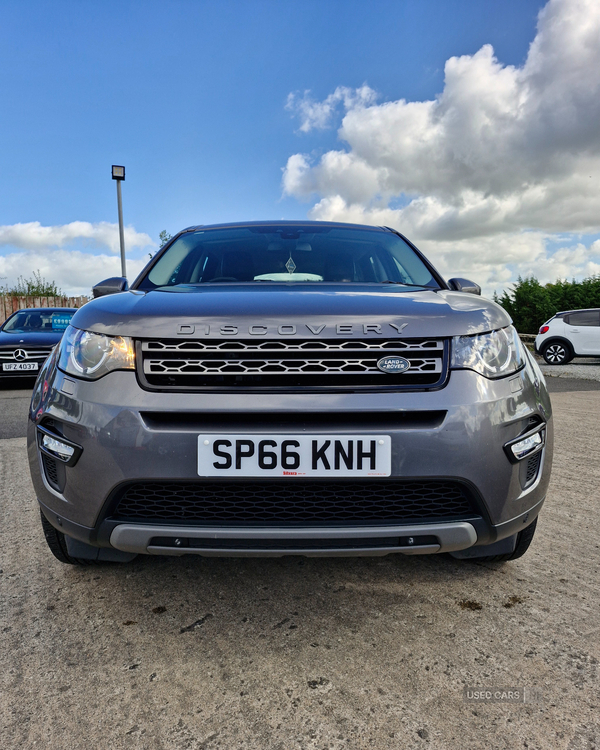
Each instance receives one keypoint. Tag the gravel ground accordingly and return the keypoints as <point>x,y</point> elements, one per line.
<point>167,654</point>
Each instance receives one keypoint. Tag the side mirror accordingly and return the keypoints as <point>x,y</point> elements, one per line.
<point>464,285</point>
<point>110,286</point>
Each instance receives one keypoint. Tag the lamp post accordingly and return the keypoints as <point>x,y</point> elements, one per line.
<point>118,174</point>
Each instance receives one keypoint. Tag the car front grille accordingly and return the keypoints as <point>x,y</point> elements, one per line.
<point>251,364</point>
<point>294,502</point>
<point>8,355</point>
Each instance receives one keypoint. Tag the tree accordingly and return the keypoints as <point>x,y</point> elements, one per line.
<point>530,304</point>
<point>527,304</point>
<point>164,237</point>
<point>36,286</point>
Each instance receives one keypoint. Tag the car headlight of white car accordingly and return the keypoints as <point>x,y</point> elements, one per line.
<point>493,354</point>
<point>90,355</point>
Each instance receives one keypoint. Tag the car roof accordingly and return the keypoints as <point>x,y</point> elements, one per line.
<point>46,309</point>
<point>581,309</point>
<point>288,223</point>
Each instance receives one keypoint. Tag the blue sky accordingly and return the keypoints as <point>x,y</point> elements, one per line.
<point>191,97</point>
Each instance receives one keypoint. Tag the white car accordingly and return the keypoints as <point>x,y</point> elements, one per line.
<point>574,333</point>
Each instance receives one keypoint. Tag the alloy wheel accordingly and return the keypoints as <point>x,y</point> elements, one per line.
<point>555,354</point>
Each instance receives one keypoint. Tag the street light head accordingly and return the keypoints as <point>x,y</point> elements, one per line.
<point>118,173</point>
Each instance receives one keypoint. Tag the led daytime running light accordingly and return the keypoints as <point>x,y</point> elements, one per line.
<point>528,445</point>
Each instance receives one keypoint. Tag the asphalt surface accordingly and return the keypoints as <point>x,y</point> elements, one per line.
<point>563,384</point>
<point>15,395</point>
<point>174,653</point>
<point>582,368</point>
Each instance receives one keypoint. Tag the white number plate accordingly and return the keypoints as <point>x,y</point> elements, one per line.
<point>8,366</point>
<point>294,455</point>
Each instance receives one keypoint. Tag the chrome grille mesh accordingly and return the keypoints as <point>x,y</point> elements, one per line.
<point>211,364</point>
<point>276,366</point>
<point>277,346</point>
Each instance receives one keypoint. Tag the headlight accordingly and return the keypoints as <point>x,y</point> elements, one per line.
<point>91,355</point>
<point>494,354</point>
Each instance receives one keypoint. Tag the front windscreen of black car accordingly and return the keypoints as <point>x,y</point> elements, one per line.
<point>284,254</point>
<point>40,320</point>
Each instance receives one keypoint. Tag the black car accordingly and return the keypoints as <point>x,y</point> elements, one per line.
<point>28,336</point>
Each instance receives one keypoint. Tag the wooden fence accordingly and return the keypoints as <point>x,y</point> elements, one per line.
<point>528,340</point>
<point>10,304</point>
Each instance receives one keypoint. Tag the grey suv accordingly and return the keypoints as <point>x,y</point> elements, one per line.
<point>282,388</point>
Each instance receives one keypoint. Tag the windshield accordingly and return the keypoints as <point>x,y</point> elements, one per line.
<point>38,321</point>
<point>288,254</point>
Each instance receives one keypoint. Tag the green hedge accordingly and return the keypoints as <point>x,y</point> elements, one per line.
<point>530,304</point>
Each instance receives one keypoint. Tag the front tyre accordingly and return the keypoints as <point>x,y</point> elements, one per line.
<point>59,544</point>
<point>557,353</point>
<point>524,539</point>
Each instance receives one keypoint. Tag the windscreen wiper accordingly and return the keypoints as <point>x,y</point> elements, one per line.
<point>404,283</point>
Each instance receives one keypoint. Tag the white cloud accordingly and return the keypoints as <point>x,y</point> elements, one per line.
<point>32,235</point>
<point>317,115</point>
<point>485,173</point>
<point>493,259</point>
<point>577,261</point>
<point>31,247</point>
<point>74,272</point>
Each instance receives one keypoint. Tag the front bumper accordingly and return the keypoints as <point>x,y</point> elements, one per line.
<point>115,423</point>
<point>418,539</point>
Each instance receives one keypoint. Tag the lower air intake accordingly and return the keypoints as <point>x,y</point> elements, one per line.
<point>294,502</point>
